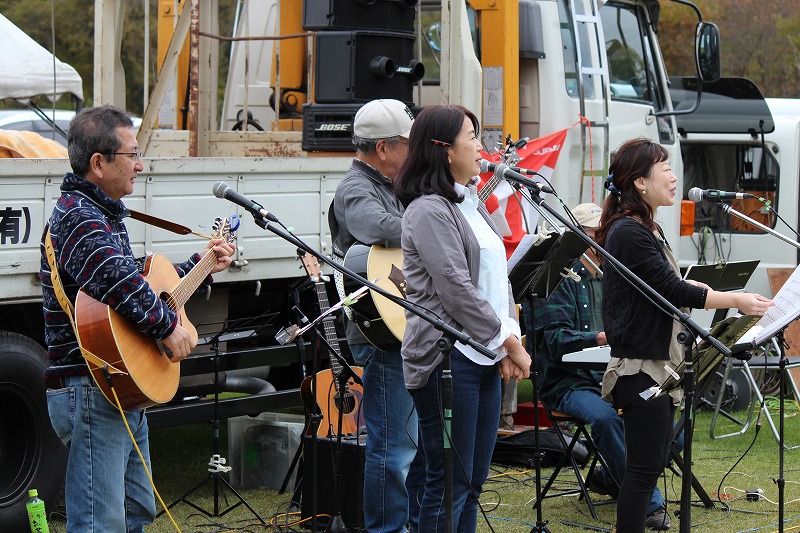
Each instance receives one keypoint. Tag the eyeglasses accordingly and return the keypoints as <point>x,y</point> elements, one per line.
<point>137,155</point>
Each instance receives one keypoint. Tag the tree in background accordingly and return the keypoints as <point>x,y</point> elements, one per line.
<point>760,41</point>
<point>74,39</point>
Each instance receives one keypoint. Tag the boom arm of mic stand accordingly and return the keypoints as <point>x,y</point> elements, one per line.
<point>731,211</point>
<point>436,322</point>
<point>684,318</point>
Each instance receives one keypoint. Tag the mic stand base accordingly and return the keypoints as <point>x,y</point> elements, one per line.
<point>336,525</point>
<point>541,524</point>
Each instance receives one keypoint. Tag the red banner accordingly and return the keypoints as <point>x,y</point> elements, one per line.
<point>505,205</point>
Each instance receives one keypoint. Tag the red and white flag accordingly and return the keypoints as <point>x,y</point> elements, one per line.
<point>506,205</point>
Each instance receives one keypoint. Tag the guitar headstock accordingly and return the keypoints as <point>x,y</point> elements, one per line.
<point>311,265</point>
<point>225,228</point>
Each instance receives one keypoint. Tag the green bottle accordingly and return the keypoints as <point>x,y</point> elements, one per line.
<point>36,513</point>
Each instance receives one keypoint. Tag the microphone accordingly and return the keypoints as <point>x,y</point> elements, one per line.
<point>222,190</point>
<point>512,174</point>
<point>713,195</point>
<point>488,166</point>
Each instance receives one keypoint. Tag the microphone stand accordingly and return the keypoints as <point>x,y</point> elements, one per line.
<point>693,329</point>
<point>727,208</point>
<point>449,332</point>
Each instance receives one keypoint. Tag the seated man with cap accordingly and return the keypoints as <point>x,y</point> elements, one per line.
<point>570,321</point>
<point>366,210</point>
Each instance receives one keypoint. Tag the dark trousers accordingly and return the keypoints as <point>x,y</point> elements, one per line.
<point>648,432</point>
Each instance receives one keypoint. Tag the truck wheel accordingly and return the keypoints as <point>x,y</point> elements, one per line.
<point>31,456</point>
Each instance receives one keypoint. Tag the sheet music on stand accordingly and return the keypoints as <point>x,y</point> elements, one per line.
<point>705,356</point>
<point>777,317</point>
<point>539,260</point>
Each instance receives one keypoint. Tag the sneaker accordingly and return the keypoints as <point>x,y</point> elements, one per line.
<point>658,520</point>
<point>597,483</point>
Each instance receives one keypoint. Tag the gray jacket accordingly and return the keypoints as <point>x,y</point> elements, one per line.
<point>441,264</point>
<point>365,211</point>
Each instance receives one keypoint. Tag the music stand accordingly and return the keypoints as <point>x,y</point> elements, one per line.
<point>217,462</point>
<point>540,267</point>
<point>538,272</point>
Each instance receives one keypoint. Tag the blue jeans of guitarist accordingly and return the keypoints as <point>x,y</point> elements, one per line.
<point>107,487</point>
<point>391,438</point>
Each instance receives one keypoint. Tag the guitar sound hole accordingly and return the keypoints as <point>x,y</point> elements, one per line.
<point>345,404</point>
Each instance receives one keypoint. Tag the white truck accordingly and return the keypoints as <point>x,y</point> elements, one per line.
<point>526,67</point>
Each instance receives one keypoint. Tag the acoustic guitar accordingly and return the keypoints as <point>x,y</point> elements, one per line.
<point>379,319</point>
<point>328,398</point>
<point>142,373</point>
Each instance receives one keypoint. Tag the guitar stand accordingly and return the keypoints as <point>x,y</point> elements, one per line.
<point>216,465</point>
<point>342,400</point>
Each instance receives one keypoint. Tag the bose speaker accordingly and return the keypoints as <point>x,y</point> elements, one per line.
<point>329,127</point>
<point>389,15</point>
<point>359,66</point>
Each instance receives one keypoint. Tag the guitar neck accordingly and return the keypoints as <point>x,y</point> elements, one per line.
<point>189,283</point>
<point>330,328</point>
<point>489,188</point>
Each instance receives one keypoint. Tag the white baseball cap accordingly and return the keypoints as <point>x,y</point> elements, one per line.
<point>588,215</point>
<point>381,119</point>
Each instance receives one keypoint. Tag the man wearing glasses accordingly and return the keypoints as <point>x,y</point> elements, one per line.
<point>107,488</point>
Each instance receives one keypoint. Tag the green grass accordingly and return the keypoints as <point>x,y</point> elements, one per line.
<point>180,457</point>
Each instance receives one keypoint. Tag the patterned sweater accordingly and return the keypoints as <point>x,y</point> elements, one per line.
<point>93,252</point>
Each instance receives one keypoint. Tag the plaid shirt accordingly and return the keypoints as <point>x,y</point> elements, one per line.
<point>562,326</point>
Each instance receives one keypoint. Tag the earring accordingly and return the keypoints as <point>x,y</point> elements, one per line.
<point>644,191</point>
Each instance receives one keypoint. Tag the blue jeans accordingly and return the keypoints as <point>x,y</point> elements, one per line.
<point>607,432</point>
<point>475,417</point>
<point>106,486</point>
<point>391,438</point>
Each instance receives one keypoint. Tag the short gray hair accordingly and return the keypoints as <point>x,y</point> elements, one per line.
<point>367,146</point>
<point>94,131</point>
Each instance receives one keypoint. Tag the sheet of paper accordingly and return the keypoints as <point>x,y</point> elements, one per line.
<point>524,245</point>
<point>786,309</point>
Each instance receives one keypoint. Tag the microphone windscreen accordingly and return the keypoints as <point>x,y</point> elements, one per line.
<point>219,189</point>
<point>695,194</point>
<point>486,166</point>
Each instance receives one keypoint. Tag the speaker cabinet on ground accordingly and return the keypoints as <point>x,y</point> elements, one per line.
<point>389,15</point>
<point>360,66</point>
<point>351,485</point>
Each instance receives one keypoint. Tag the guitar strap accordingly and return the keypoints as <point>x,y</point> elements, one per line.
<point>69,308</point>
<point>338,256</point>
<point>164,224</point>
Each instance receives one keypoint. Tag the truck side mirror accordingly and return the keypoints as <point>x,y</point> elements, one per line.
<point>707,52</point>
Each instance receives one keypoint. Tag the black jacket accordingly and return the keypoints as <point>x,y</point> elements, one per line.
<point>634,327</point>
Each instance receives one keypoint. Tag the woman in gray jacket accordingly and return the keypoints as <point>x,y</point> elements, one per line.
<point>455,265</point>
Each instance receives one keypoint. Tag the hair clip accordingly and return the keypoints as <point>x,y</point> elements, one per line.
<point>440,143</point>
<point>609,185</point>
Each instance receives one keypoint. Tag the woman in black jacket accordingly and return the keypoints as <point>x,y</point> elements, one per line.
<point>642,337</point>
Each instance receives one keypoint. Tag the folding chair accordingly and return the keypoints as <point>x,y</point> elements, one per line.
<point>593,458</point>
<point>765,362</point>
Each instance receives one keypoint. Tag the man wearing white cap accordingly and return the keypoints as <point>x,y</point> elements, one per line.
<point>366,211</point>
<point>569,321</point>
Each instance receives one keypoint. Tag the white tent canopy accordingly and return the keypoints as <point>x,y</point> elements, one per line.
<point>28,68</point>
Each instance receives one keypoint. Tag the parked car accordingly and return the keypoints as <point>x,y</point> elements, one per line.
<point>27,120</point>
